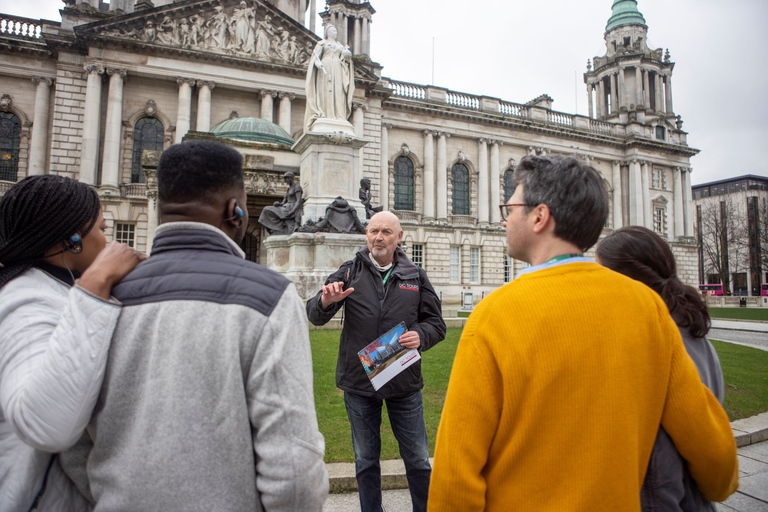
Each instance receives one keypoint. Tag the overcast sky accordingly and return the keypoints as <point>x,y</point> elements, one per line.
<point>517,50</point>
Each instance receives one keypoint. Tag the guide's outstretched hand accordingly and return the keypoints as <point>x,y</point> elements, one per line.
<point>334,292</point>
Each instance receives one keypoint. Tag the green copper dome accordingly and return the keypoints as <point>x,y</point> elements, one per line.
<point>624,13</point>
<point>253,129</point>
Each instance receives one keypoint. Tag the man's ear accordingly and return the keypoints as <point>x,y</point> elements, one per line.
<point>542,218</point>
<point>233,213</point>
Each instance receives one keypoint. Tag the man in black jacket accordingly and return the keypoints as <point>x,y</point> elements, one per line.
<point>380,288</point>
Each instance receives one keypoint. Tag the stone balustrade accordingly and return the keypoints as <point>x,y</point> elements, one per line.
<point>479,103</point>
<point>462,220</point>
<point>133,190</point>
<point>408,216</point>
<point>5,186</point>
<point>16,26</point>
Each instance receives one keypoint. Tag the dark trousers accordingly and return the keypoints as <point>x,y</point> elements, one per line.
<point>406,415</point>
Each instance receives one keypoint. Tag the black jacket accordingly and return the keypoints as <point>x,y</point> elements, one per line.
<point>373,309</point>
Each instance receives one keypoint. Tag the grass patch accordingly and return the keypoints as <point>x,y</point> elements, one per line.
<point>746,390</point>
<point>746,379</point>
<point>739,313</point>
<point>329,401</point>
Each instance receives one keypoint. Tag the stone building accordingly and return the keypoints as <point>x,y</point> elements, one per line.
<point>732,233</point>
<point>85,97</point>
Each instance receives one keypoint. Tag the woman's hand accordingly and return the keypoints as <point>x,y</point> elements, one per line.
<point>109,268</point>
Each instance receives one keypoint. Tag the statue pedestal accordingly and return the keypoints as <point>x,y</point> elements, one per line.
<point>308,259</point>
<point>330,166</point>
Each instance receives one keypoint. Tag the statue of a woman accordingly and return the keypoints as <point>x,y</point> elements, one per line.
<point>330,81</point>
<point>242,20</point>
<point>285,216</point>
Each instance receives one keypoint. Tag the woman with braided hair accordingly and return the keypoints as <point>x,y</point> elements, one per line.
<point>54,332</point>
<point>641,254</point>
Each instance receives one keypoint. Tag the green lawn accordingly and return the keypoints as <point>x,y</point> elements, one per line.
<point>739,313</point>
<point>744,368</point>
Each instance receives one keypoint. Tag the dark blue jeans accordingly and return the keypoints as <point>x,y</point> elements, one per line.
<point>406,415</point>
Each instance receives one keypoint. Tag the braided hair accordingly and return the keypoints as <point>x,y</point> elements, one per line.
<point>36,214</point>
<point>641,254</point>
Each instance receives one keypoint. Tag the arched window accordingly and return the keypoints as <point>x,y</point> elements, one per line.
<point>403,183</point>
<point>509,184</point>
<point>10,140</point>
<point>460,177</point>
<point>148,134</point>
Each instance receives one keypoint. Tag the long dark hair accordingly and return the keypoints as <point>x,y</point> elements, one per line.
<point>36,214</point>
<point>643,255</point>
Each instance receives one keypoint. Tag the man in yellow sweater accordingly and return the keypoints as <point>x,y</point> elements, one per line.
<point>562,377</point>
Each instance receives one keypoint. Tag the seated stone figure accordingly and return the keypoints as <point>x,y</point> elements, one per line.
<point>285,216</point>
<point>365,198</point>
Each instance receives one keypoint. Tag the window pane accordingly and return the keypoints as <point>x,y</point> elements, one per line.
<point>417,254</point>
<point>509,185</point>
<point>10,140</point>
<point>474,265</point>
<point>125,233</point>
<point>148,135</point>
<point>403,183</point>
<point>455,268</point>
<point>460,177</point>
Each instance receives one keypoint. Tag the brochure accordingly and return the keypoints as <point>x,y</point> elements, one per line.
<point>384,358</point>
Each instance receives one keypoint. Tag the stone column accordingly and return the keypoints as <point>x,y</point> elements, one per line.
<point>39,143</point>
<point>635,194</point>
<point>638,87</point>
<point>358,118</point>
<point>645,169</point>
<point>285,111</point>
<point>184,108</point>
<point>204,105</point>
<point>679,219</point>
<point>496,197</point>
<point>688,201</point>
<point>344,32</point>
<point>358,37</point>
<point>601,98</point>
<point>91,124</point>
<point>618,217</point>
<point>267,99</point>
<point>150,175</point>
<point>589,100</point>
<point>366,37</point>
<point>622,89</point>
<point>110,167</point>
<point>646,90</point>
<point>668,92</point>
<point>483,210</point>
<point>429,175</point>
<point>442,176</point>
<point>657,88</point>
<point>384,166</point>
<point>614,106</point>
<point>312,15</point>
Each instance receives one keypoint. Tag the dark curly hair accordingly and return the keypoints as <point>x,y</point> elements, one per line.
<point>36,214</point>
<point>641,254</point>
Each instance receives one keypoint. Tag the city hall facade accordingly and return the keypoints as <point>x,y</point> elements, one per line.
<point>86,96</point>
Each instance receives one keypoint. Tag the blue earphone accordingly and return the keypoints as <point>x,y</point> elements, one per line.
<point>75,243</point>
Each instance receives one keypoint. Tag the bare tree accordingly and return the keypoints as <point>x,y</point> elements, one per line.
<point>724,240</point>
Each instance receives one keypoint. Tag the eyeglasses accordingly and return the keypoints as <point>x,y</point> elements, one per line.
<point>504,209</point>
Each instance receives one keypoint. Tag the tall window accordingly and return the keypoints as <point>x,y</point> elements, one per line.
<point>125,233</point>
<point>508,271</point>
<point>417,254</point>
<point>660,221</point>
<point>148,135</point>
<point>460,177</point>
<point>474,264</point>
<point>509,185</point>
<point>658,179</point>
<point>10,140</point>
<point>455,261</point>
<point>403,183</point>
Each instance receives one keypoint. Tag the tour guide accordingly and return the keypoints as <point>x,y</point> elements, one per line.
<point>381,287</point>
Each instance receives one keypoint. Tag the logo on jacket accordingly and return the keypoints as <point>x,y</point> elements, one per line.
<point>412,287</point>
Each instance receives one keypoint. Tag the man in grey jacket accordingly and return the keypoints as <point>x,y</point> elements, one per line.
<point>207,402</point>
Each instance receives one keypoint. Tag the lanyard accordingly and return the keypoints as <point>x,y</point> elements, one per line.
<point>564,257</point>
<point>386,276</point>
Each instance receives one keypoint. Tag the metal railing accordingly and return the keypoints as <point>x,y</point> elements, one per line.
<point>16,26</point>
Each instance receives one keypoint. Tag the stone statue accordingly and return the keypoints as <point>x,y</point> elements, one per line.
<point>218,29</point>
<point>242,21</point>
<point>264,35</point>
<point>365,198</point>
<point>285,216</point>
<point>166,31</point>
<point>330,81</point>
<point>184,32</point>
<point>284,46</point>
<point>149,32</point>
<point>197,29</point>
<point>340,217</point>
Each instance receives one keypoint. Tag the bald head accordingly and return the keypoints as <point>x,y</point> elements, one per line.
<point>383,234</point>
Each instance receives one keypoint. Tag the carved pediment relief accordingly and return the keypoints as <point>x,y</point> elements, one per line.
<point>250,29</point>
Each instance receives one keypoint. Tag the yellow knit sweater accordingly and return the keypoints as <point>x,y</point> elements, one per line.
<point>560,382</point>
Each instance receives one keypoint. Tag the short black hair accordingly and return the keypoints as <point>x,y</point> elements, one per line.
<point>573,191</point>
<point>198,169</point>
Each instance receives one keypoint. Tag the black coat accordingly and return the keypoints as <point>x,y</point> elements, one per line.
<point>373,309</point>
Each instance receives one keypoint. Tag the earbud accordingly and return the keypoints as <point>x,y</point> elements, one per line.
<point>75,243</point>
<point>238,211</point>
<point>238,214</point>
